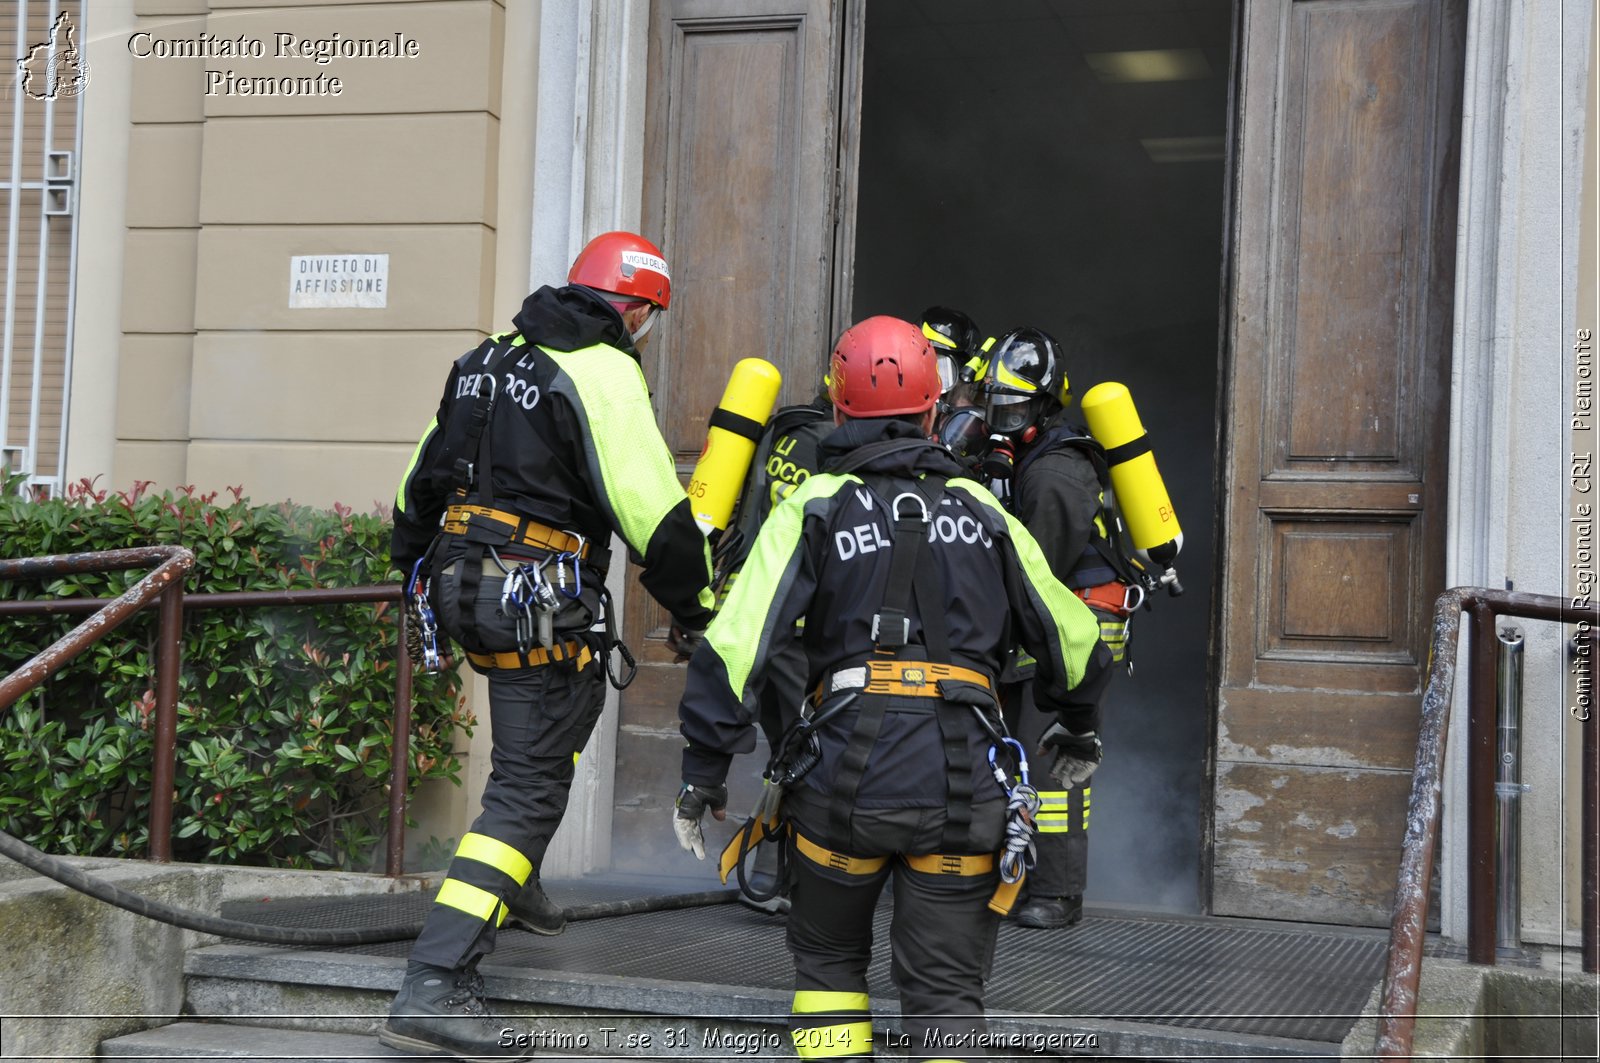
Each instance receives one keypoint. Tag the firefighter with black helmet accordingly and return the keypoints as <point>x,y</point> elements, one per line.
<point>959,346</point>
<point>544,445</point>
<point>913,583</point>
<point>1057,483</point>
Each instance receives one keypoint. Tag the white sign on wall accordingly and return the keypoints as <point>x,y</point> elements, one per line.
<point>354,280</point>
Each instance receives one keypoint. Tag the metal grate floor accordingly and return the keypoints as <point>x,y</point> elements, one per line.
<point>1297,981</point>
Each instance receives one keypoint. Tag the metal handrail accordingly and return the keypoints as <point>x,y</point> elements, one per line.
<point>166,583</point>
<point>1403,972</point>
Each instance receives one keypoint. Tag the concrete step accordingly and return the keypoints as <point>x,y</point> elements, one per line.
<point>605,1015</point>
<point>212,1040</point>
<point>592,1015</point>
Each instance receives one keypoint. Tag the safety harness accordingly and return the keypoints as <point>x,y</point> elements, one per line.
<point>530,591</point>
<point>893,672</point>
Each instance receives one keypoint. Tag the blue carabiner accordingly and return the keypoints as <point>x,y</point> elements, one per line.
<point>999,772</point>
<point>577,575</point>
<point>1022,759</point>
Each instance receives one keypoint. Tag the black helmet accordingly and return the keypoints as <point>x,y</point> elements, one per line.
<point>956,341</point>
<point>1025,380</point>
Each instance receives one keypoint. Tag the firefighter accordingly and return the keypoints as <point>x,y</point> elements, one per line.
<point>543,445</point>
<point>912,583</point>
<point>786,456</point>
<point>959,347</point>
<point>1057,490</point>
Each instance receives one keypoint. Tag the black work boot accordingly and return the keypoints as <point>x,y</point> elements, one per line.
<point>440,1011</point>
<point>533,910</point>
<point>1051,913</point>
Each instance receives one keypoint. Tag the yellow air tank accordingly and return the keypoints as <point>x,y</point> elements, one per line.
<point>731,438</point>
<point>1141,493</point>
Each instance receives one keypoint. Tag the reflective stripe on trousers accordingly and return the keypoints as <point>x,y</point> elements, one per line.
<point>942,940</point>
<point>1063,811</point>
<point>538,718</point>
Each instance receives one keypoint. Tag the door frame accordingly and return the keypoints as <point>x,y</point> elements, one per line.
<point>588,144</point>
<point>1219,471</point>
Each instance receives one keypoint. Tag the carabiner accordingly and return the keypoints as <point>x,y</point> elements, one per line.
<point>561,574</point>
<point>1022,765</point>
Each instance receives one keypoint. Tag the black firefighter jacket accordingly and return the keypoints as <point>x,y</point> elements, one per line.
<point>824,555</point>
<point>573,444</point>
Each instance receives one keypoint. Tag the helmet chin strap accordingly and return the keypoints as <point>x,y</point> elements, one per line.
<point>649,323</point>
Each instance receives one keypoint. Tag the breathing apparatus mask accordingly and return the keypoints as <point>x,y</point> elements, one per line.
<point>965,433</point>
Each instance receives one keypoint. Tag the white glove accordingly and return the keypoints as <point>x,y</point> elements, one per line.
<point>690,807</point>
<point>1077,756</point>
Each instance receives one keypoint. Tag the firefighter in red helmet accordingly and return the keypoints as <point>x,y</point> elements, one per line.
<point>544,445</point>
<point>911,582</point>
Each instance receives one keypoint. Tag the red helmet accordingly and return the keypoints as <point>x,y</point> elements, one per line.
<point>624,263</point>
<point>881,367</point>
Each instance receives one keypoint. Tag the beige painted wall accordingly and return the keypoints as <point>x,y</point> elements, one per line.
<point>222,381</point>
<point>213,378</point>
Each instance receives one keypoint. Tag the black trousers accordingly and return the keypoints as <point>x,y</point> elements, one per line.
<point>1062,842</point>
<point>539,719</point>
<point>941,934</point>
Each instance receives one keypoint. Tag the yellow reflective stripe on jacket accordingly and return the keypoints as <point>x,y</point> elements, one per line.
<point>828,1042</point>
<point>636,476</point>
<point>738,632</point>
<point>497,854</point>
<point>411,466</point>
<point>465,897</point>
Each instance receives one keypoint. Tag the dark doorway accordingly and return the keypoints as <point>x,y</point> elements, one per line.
<point>1059,163</point>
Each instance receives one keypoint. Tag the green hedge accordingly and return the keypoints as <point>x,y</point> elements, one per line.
<point>283,714</point>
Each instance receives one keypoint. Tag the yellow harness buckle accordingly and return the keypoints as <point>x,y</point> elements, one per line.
<point>850,865</point>
<point>916,679</point>
<point>964,865</point>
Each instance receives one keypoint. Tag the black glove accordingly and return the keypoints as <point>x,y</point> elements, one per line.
<point>683,641</point>
<point>1077,756</point>
<point>690,807</point>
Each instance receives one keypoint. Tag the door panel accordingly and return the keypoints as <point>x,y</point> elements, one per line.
<point>1344,237</point>
<point>741,151</point>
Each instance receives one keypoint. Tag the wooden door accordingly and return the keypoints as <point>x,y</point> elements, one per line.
<point>741,190</point>
<point>1344,218</point>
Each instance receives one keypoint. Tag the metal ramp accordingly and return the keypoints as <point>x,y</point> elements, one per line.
<point>1121,984</point>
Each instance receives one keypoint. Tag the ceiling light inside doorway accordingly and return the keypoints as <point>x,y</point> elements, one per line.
<point>1182,149</point>
<point>1168,64</point>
